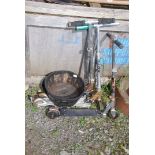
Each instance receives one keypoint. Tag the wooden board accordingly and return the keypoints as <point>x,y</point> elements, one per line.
<point>117,2</point>
<point>75,11</point>
<point>94,4</point>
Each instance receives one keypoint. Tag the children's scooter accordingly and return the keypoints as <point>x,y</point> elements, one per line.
<point>110,107</point>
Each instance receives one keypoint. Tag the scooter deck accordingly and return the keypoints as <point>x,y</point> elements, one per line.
<point>79,112</point>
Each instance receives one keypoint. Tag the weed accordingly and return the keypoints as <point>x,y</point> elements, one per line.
<point>106,91</point>
<point>55,133</point>
<point>77,146</point>
<point>30,92</point>
<point>82,121</point>
<point>118,81</point>
<point>93,106</point>
<point>32,107</point>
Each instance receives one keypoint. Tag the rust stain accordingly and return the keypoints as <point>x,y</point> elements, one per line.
<point>120,103</point>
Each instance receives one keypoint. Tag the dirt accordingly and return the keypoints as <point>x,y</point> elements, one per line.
<point>73,135</point>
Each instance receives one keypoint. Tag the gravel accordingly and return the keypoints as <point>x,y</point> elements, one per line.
<point>73,135</point>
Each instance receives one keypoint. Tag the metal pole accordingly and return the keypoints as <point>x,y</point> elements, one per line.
<point>113,76</point>
<point>98,59</point>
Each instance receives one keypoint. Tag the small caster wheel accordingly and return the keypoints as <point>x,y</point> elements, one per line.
<point>52,112</point>
<point>113,114</point>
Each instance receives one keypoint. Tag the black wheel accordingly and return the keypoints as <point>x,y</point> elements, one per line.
<point>113,114</point>
<point>52,112</point>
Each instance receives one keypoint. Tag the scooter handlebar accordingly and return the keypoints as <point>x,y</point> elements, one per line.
<point>119,44</point>
<point>76,23</point>
<point>106,20</point>
<point>98,21</point>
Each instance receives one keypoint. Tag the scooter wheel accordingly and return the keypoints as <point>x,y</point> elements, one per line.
<point>52,112</point>
<point>113,114</point>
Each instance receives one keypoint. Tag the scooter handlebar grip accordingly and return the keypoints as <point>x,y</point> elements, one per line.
<point>82,27</point>
<point>119,44</point>
<point>106,20</point>
<point>109,35</point>
<point>76,23</point>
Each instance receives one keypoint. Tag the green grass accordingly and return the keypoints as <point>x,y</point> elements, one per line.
<point>106,91</point>
<point>31,107</point>
<point>76,146</point>
<point>31,92</point>
<point>93,106</point>
<point>34,109</point>
<point>82,121</point>
<point>55,133</point>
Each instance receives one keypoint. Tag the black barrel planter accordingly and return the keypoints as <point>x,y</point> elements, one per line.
<point>64,88</point>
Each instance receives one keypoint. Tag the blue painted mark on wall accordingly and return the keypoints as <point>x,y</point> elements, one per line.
<point>73,40</point>
<point>121,55</point>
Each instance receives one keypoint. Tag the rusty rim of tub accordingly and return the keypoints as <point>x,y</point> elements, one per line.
<point>64,88</point>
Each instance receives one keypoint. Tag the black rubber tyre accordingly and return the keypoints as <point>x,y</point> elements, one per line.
<point>113,117</point>
<point>52,112</point>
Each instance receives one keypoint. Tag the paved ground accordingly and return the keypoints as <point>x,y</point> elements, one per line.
<point>73,135</point>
